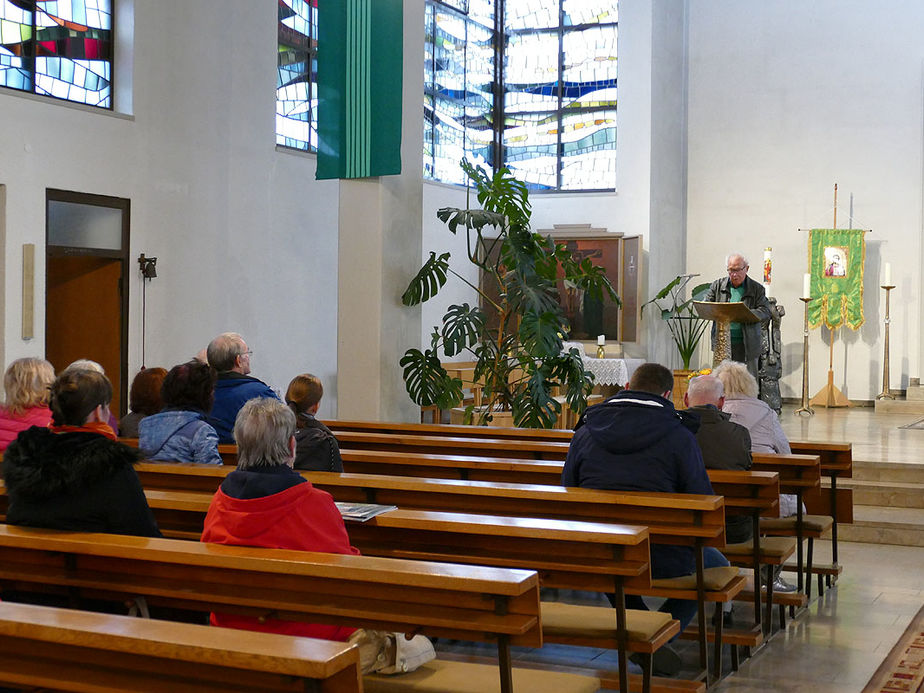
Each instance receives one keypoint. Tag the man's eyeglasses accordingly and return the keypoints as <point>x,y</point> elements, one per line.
<point>737,270</point>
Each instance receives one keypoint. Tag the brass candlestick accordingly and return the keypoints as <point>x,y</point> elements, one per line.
<point>886,394</point>
<point>805,406</point>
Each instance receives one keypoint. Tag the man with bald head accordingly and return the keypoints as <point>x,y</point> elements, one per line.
<point>725,445</point>
<point>738,286</point>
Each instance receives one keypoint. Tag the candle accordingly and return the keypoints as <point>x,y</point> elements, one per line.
<point>601,340</point>
<point>887,281</point>
<point>768,265</point>
<point>806,286</point>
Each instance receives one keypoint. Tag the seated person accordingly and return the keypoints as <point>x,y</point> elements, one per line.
<point>75,475</point>
<point>88,365</point>
<point>637,441</point>
<point>316,447</point>
<point>26,384</point>
<point>181,432</point>
<point>264,502</point>
<point>725,445</point>
<point>228,354</point>
<point>143,399</point>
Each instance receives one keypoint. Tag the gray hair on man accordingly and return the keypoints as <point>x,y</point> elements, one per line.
<point>263,430</point>
<point>744,260</point>
<point>224,350</point>
<point>85,365</point>
<point>705,389</point>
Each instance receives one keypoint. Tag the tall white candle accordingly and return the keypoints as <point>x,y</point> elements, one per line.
<point>601,340</point>
<point>768,266</point>
<point>887,280</point>
<point>806,286</point>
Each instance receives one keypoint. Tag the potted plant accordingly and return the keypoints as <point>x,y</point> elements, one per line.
<point>686,327</point>
<point>515,336</point>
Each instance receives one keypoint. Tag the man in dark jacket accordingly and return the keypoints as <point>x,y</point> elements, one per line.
<point>725,445</point>
<point>637,441</point>
<point>738,286</point>
<point>228,354</point>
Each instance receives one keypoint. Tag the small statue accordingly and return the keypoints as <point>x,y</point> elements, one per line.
<point>770,363</point>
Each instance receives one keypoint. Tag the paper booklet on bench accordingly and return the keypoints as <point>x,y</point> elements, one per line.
<point>360,512</point>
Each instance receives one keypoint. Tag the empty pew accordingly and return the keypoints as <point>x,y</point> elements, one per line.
<point>446,600</point>
<point>65,649</point>
<point>494,447</point>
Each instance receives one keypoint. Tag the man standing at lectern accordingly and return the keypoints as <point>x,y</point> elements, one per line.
<point>738,286</point>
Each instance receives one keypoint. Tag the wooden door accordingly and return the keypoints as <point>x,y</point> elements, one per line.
<point>84,315</point>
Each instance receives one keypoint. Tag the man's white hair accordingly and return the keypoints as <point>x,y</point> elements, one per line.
<point>743,259</point>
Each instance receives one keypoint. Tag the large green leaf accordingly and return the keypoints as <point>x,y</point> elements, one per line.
<point>469,218</point>
<point>427,382</point>
<point>534,406</point>
<point>540,334</point>
<point>462,327</point>
<point>428,281</point>
<point>531,296</point>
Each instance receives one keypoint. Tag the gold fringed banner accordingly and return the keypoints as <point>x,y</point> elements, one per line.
<point>836,261</point>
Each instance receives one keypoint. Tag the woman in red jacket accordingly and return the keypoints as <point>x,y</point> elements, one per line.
<point>27,384</point>
<point>264,502</point>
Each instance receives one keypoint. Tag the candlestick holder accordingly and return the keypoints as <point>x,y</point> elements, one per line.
<point>601,352</point>
<point>805,407</point>
<point>886,393</point>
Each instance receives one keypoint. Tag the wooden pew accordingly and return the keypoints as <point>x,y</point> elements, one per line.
<point>494,447</point>
<point>798,474</point>
<point>447,600</point>
<point>691,520</point>
<point>553,434</point>
<point>64,649</point>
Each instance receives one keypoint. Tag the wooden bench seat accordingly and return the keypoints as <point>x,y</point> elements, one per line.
<point>446,600</point>
<point>64,649</point>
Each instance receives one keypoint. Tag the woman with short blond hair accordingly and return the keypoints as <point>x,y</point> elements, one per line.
<point>26,386</point>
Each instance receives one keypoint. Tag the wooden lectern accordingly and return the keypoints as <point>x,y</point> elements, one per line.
<point>723,314</point>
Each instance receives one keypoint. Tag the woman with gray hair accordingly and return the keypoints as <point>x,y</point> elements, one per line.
<point>265,502</point>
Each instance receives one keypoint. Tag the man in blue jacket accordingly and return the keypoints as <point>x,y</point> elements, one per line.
<point>228,354</point>
<point>637,441</point>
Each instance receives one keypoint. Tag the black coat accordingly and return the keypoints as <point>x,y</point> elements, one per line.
<point>78,481</point>
<point>316,448</point>
<point>637,441</point>
<point>725,445</point>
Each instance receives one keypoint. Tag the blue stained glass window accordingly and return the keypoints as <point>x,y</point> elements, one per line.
<point>58,48</point>
<point>296,76</point>
<point>557,90</point>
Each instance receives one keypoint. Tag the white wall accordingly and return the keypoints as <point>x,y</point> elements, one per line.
<point>246,240</point>
<point>786,99</point>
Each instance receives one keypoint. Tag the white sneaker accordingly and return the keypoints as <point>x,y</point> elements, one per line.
<point>780,585</point>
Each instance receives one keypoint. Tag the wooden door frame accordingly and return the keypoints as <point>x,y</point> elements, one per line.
<point>124,205</point>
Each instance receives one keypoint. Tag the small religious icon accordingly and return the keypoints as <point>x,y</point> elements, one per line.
<point>835,261</point>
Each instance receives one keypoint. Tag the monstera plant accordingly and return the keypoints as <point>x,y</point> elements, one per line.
<point>514,335</point>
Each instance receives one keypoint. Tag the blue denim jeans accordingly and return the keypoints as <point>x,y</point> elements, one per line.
<point>682,609</point>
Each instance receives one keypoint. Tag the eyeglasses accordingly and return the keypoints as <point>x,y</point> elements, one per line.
<point>737,270</point>
<point>246,353</point>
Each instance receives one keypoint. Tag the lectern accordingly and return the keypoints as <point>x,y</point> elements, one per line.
<point>723,315</point>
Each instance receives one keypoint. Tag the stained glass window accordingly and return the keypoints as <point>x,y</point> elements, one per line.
<point>296,79</point>
<point>458,87</point>
<point>557,85</point>
<point>58,48</point>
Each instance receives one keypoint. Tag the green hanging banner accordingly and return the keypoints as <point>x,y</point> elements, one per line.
<point>360,63</point>
<point>836,261</point>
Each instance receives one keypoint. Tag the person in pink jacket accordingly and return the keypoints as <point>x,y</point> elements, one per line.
<point>26,386</point>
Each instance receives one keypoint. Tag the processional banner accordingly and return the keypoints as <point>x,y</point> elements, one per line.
<point>836,261</point>
<point>360,64</point>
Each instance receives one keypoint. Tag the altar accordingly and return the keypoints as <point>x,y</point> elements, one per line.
<point>607,371</point>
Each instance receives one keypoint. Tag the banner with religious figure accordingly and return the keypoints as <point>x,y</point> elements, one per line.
<point>836,261</point>
<point>360,66</point>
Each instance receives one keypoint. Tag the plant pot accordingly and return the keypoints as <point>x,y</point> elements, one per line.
<point>681,383</point>
<point>503,419</point>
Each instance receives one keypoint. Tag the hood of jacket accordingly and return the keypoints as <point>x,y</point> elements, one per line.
<point>232,380</point>
<point>41,464</point>
<point>254,503</point>
<point>633,421</point>
<point>158,428</point>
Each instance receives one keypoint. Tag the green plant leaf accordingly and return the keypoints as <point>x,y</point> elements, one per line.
<point>462,327</point>
<point>427,382</point>
<point>540,334</point>
<point>534,406</point>
<point>428,281</point>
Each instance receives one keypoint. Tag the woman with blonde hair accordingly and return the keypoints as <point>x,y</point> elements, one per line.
<point>747,410</point>
<point>26,386</point>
